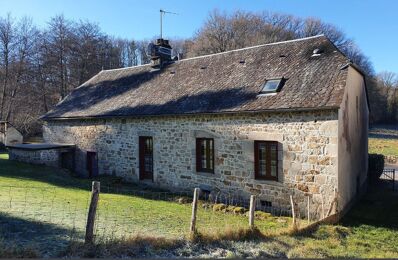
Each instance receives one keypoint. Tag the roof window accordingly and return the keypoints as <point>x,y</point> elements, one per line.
<point>272,85</point>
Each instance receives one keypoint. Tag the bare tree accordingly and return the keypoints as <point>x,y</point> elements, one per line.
<point>59,46</point>
<point>7,39</point>
<point>38,68</point>
<point>24,47</point>
<point>85,59</point>
<point>388,83</point>
<point>222,32</point>
<point>142,50</point>
<point>132,53</point>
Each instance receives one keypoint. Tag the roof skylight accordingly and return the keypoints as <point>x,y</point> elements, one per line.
<point>272,85</point>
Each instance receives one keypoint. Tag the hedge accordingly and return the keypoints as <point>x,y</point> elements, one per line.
<point>376,166</point>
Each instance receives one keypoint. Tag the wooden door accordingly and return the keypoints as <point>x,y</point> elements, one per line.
<point>146,157</point>
<point>92,164</point>
<point>68,160</point>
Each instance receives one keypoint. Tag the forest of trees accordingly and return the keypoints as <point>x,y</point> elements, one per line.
<point>38,67</point>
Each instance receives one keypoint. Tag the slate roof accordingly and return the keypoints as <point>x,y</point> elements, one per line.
<point>218,83</point>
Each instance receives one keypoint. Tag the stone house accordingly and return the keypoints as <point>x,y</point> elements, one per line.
<point>9,134</point>
<point>279,119</point>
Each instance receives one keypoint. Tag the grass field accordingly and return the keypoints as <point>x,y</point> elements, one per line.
<point>48,204</point>
<point>370,230</point>
<point>383,140</point>
<point>30,195</point>
<point>383,146</point>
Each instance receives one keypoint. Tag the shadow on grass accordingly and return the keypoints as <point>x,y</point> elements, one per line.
<point>66,179</point>
<point>46,238</point>
<point>383,135</point>
<point>59,177</point>
<point>378,208</point>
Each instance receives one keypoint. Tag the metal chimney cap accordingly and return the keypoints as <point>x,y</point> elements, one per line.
<point>317,52</point>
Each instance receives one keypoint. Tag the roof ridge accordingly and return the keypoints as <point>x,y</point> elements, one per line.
<point>123,68</point>
<point>224,52</point>
<point>256,46</point>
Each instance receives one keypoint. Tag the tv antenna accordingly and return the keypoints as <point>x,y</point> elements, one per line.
<point>163,12</point>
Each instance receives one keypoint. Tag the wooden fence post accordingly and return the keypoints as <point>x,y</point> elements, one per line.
<point>194,210</point>
<point>252,210</point>
<point>293,212</point>
<point>323,207</point>
<point>95,190</point>
<point>308,209</point>
<point>333,203</point>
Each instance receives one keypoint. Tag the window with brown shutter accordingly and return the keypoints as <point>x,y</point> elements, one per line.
<point>266,160</point>
<point>205,155</point>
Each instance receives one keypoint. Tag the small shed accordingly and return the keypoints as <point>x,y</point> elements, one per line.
<point>55,155</point>
<point>9,135</point>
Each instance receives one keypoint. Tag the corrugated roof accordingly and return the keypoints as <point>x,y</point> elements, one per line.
<point>218,83</point>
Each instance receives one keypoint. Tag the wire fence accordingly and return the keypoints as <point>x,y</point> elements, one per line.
<point>45,205</point>
<point>127,213</point>
<point>42,216</point>
<point>222,212</point>
<point>52,217</point>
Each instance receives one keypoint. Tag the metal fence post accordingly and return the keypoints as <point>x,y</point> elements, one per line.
<point>95,190</point>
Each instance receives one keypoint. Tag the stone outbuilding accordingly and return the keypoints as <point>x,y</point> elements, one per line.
<point>279,119</point>
<point>54,155</point>
<point>9,134</point>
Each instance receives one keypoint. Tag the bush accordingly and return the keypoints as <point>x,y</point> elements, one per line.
<point>376,166</point>
<point>239,210</point>
<point>219,207</point>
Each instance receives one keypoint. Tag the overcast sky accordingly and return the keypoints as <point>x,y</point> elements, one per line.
<point>372,24</point>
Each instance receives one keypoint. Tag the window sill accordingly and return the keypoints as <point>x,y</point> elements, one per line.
<point>269,182</point>
<point>208,174</point>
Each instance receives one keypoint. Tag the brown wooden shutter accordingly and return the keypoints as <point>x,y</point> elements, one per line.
<point>256,173</point>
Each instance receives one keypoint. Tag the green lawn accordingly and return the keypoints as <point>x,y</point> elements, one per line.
<point>32,195</point>
<point>383,146</point>
<point>42,207</point>
<point>370,230</point>
<point>383,139</point>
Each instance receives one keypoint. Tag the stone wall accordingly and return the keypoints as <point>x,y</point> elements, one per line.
<point>391,159</point>
<point>307,144</point>
<point>48,157</point>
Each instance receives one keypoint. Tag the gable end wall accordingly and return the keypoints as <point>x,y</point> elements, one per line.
<point>353,139</point>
